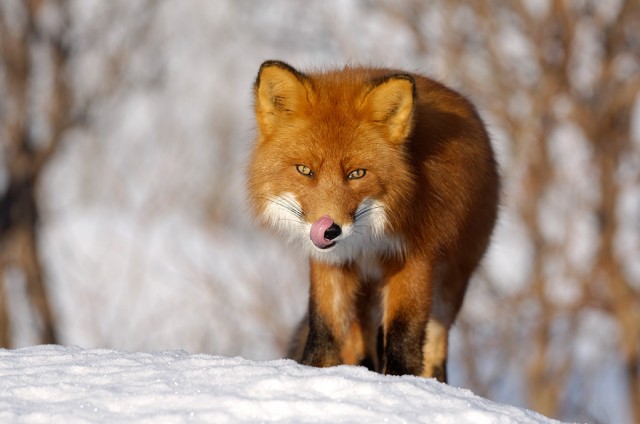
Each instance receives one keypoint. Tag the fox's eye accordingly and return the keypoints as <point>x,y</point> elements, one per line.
<point>355,174</point>
<point>304,170</point>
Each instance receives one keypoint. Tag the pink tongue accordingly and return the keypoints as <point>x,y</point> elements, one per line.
<point>317,231</point>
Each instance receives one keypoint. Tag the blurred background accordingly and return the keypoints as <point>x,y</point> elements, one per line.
<point>125,128</point>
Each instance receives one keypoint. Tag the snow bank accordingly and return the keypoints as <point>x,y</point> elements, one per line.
<point>55,384</point>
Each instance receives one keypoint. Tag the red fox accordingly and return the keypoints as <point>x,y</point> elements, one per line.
<point>388,182</point>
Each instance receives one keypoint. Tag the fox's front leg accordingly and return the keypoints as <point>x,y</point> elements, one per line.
<point>407,301</point>
<point>332,299</point>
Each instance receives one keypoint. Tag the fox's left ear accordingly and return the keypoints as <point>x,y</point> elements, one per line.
<point>280,91</point>
<point>391,102</point>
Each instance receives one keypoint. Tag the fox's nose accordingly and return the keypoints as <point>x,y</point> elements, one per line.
<point>323,231</point>
<point>332,232</point>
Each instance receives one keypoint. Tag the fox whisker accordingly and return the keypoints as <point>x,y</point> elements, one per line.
<point>285,204</point>
<point>366,211</point>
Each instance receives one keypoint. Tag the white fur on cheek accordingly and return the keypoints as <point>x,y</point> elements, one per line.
<point>284,214</point>
<point>374,216</point>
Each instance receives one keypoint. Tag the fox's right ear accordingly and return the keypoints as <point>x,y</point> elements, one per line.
<point>280,91</point>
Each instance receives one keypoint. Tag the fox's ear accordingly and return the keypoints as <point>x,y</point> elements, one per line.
<point>279,91</point>
<point>390,101</point>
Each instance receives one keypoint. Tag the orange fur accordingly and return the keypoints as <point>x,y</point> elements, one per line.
<point>402,169</point>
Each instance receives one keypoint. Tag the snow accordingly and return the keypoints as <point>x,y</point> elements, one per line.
<point>56,384</point>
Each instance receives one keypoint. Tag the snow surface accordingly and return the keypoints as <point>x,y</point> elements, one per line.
<point>55,384</point>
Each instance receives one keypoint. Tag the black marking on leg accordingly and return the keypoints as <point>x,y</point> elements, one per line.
<point>380,349</point>
<point>368,362</point>
<point>403,347</point>
<point>321,349</point>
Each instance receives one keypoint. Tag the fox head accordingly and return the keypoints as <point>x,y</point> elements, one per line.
<point>329,167</point>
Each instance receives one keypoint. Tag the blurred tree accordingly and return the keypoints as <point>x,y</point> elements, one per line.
<point>42,47</point>
<point>33,120</point>
<point>559,79</point>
